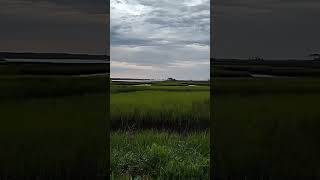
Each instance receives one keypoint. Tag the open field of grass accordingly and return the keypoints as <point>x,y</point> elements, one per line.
<point>266,127</point>
<point>53,127</point>
<point>263,127</point>
<point>177,111</point>
<point>160,131</point>
<point>58,123</point>
<point>26,87</point>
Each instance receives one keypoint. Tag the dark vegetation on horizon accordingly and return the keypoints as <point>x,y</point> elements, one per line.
<point>50,68</point>
<point>247,68</point>
<point>29,55</point>
<point>129,79</point>
<point>36,68</point>
<point>165,83</point>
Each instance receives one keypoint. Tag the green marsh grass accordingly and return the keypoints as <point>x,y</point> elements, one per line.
<point>53,127</point>
<point>160,131</point>
<point>160,155</point>
<point>267,86</point>
<point>169,110</point>
<point>266,127</point>
<point>28,87</point>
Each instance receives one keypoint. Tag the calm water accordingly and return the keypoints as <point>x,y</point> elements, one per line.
<point>135,80</point>
<point>269,76</point>
<point>92,75</point>
<point>142,85</point>
<point>262,75</point>
<point>60,60</point>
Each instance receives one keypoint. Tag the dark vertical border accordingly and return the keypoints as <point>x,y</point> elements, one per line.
<point>108,94</point>
<point>212,126</point>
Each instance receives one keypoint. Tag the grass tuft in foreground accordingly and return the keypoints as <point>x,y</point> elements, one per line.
<point>160,155</point>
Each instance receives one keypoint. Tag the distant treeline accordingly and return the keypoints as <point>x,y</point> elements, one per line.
<point>280,62</point>
<point>13,55</point>
<point>22,68</point>
<point>129,79</point>
<point>246,68</point>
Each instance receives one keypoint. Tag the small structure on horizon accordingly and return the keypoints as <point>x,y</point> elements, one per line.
<point>171,79</point>
<point>256,58</point>
<point>315,56</point>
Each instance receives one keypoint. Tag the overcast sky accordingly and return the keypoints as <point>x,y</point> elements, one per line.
<point>267,28</point>
<point>72,26</point>
<point>160,39</point>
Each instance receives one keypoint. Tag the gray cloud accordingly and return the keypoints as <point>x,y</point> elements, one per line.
<point>54,26</point>
<point>89,6</point>
<point>268,28</point>
<point>159,34</point>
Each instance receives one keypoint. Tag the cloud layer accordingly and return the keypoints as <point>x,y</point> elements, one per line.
<point>160,38</point>
<point>74,26</point>
<point>269,28</point>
